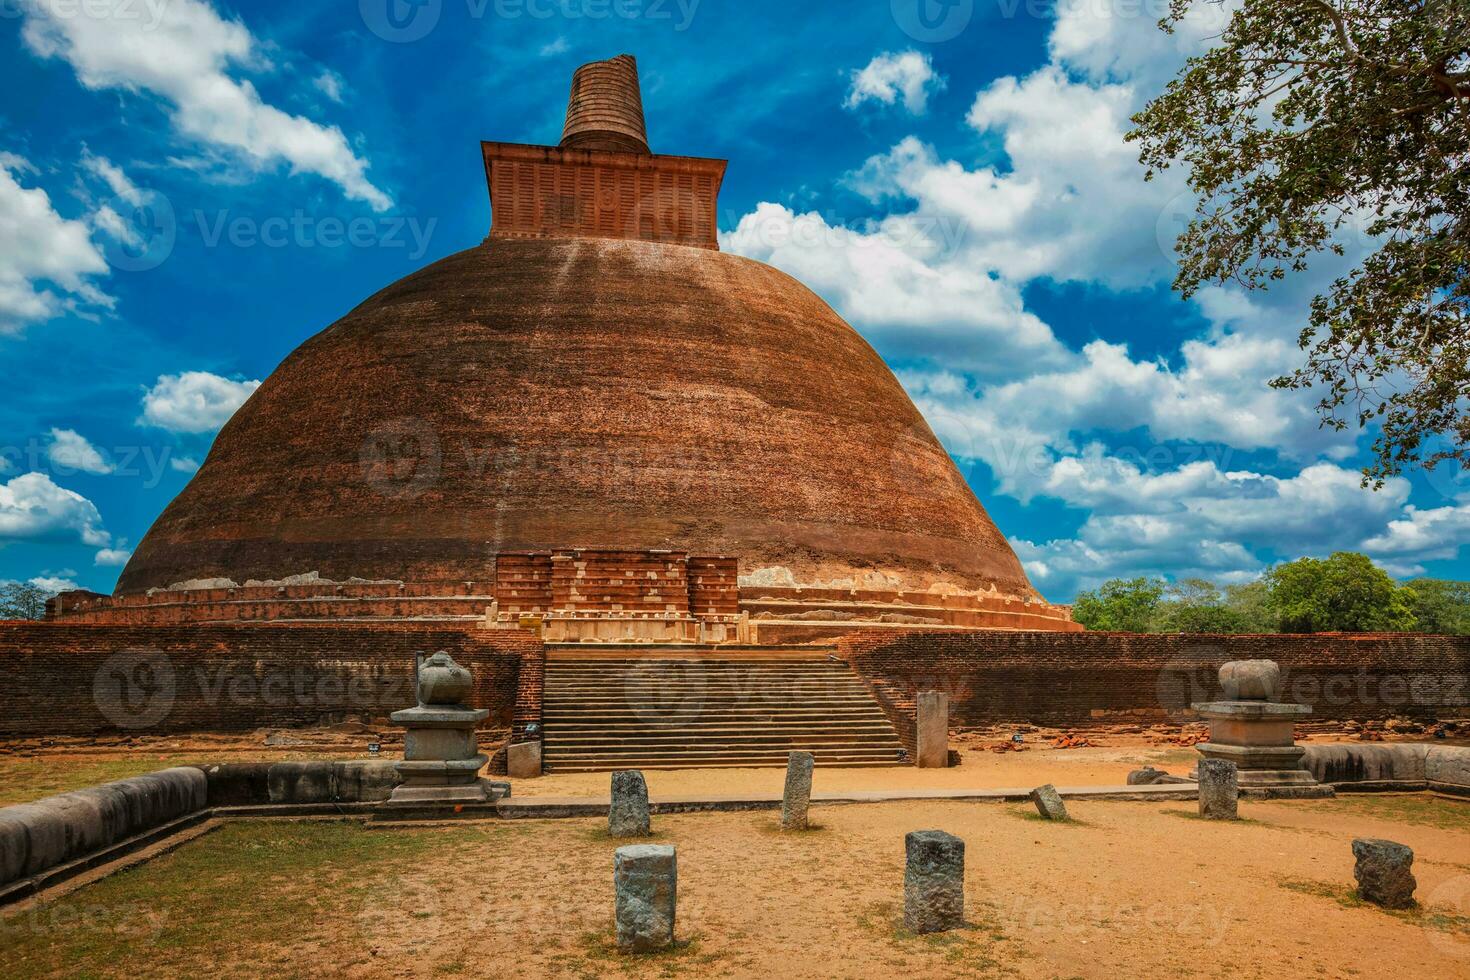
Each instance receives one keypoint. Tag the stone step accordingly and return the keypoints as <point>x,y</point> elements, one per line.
<point>709,760</point>
<point>877,744</point>
<point>592,763</point>
<point>611,766</point>
<point>625,709</point>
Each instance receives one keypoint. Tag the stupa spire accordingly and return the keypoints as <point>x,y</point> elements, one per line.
<point>605,110</point>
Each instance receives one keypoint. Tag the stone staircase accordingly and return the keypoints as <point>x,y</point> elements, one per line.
<point>688,707</point>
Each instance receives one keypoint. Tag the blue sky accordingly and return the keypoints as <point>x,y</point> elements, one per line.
<point>191,188</point>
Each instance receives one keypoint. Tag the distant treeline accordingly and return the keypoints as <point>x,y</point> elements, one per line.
<point>1344,593</point>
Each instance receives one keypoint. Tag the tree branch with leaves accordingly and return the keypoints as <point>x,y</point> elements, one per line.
<point>1310,122</point>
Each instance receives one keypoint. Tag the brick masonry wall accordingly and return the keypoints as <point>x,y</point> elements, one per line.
<point>64,679</point>
<point>1077,679</point>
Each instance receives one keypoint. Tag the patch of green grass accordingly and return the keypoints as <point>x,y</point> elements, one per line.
<point>26,780</point>
<point>1424,809</point>
<point>1195,815</point>
<point>599,835</point>
<point>258,887</point>
<point>1176,757</point>
<point>966,948</point>
<point>601,950</point>
<point>1347,897</point>
<point>774,828</point>
<point>1029,814</point>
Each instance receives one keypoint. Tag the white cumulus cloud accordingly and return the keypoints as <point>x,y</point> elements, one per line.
<point>55,583</point>
<point>112,557</point>
<point>69,450</point>
<point>183,52</point>
<point>194,401</point>
<point>889,77</point>
<point>33,508</point>
<point>48,262</point>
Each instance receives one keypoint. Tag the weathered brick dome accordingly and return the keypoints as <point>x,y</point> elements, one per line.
<point>582,392</point>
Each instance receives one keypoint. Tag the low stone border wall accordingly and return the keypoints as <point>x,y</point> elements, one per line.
<point>1407,766</point>
<point>245,784</point>
<point>36,837</point>
<point>52,839</point>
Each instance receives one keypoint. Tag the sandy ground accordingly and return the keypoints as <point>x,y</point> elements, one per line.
<point>1130,890</point>
<point>1102,766</point>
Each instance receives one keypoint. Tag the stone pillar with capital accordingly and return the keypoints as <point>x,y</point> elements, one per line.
<point>1252,729</point>
<point>441,754</point>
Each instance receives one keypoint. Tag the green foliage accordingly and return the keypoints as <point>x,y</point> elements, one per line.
<point>1195,605</point>
<point>1181,618</point>
<point>1311,121</point>
<point>1251,602</point>
<point>1439,606</point>
<point>1345,593</point>
<point>1128,605</point>
<point>21,601</point>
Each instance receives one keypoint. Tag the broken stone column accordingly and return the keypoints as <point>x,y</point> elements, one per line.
<point>1218,790</point>
<point>1383,872</point>
<point>933,730</point>
<point>645,877</point>
<point>933,882</point>
<point>1049,802</point>
<point>1147,776</point>
<point>798,796</point>
<point>628,815</point>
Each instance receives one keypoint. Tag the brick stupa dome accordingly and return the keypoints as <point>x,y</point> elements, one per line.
<point>596,375</point>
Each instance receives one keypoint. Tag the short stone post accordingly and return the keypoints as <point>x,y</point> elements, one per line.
<point>1218,792</point>
<point>523,760</point>
<point>933,882</point>
<point>933,730</point>
<point>1049,803</point>
<point>1383,874</point>
<point>646,878</point>
<point>628,814</point>
<point>798,796</point>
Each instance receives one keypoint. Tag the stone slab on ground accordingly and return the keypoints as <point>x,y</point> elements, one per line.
<point>796,800</point>
<point>1382,872</point>
<point>523,760</point>
<point>1049,803</point>
<point>645,877</point>
<point>932,729</point>
<point>933,882</point>
<point>1218,790</point>
<point>627,814</point>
